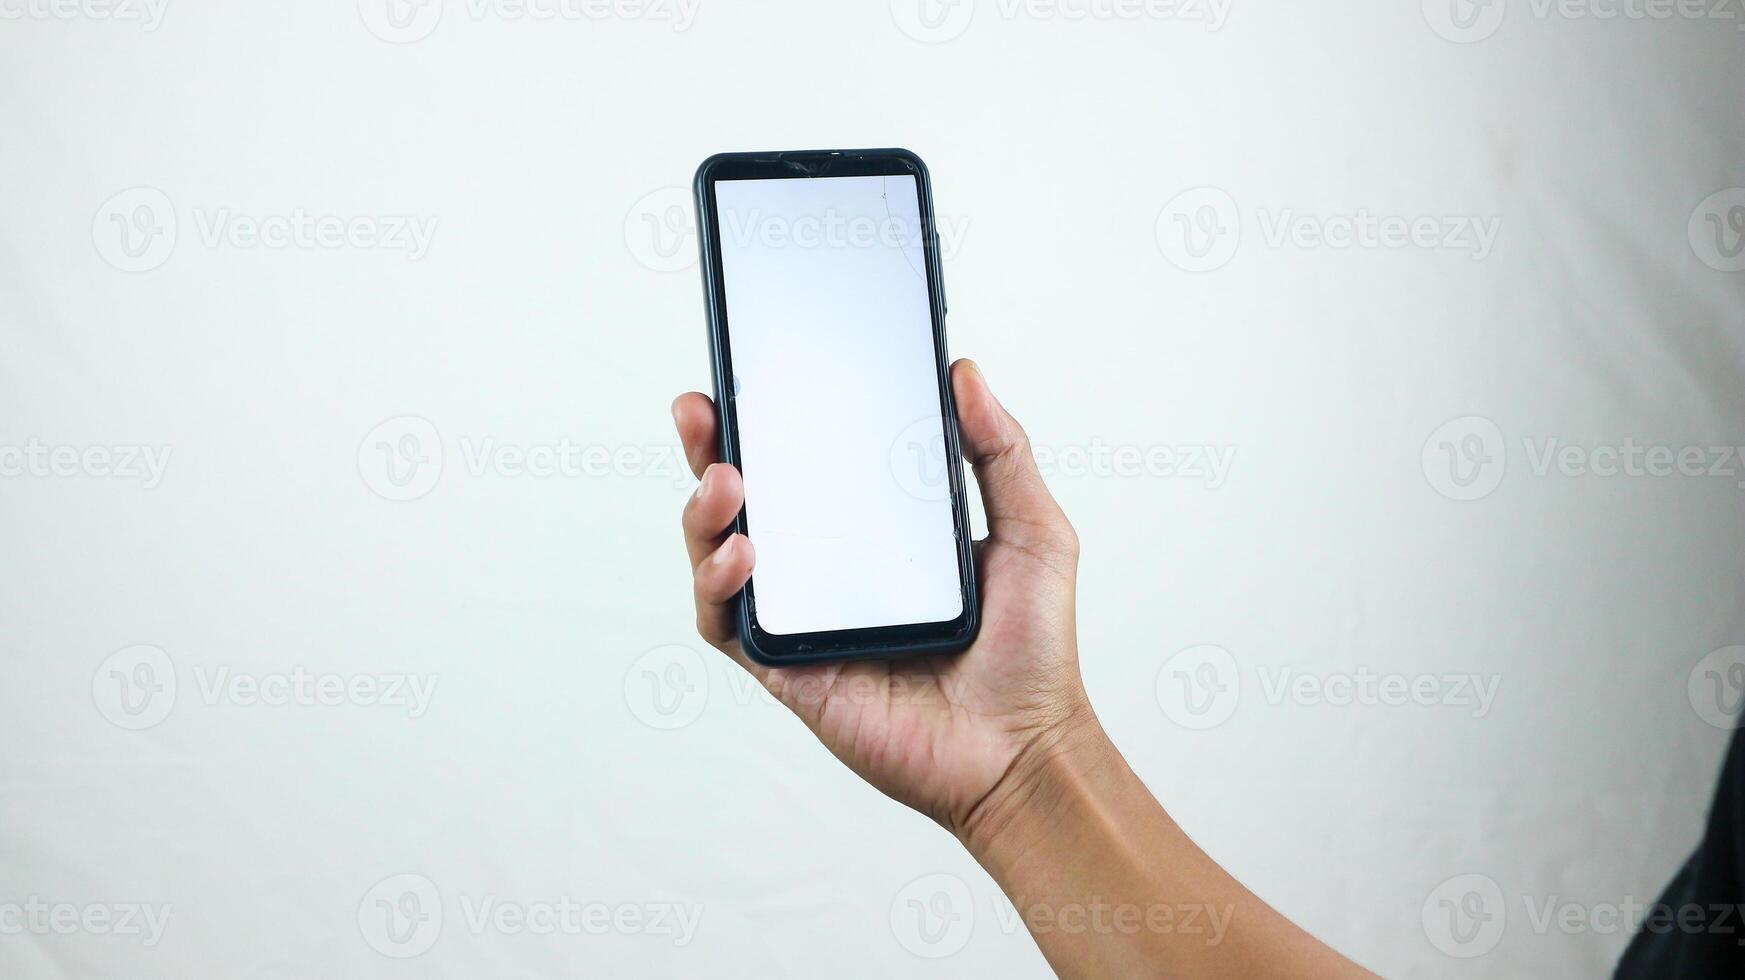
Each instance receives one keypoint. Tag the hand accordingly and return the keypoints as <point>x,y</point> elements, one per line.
<point>943,734</point>
<point>998,743</point>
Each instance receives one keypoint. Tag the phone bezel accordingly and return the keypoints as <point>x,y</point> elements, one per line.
<point>778,649</point>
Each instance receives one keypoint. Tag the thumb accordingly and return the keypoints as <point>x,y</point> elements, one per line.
<point>1020,509</point>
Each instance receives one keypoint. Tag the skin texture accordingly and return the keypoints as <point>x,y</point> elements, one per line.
<point>999,744</point>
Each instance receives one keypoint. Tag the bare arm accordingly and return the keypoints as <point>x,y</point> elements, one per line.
<point>999,743</point>
<point>1109,886</point>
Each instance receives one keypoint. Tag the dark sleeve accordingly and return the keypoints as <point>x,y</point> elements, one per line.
<point>1694,930</point>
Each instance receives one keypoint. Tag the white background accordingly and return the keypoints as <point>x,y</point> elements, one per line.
<point>574,746</point>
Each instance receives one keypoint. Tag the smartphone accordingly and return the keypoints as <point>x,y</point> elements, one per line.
<point>827,335</point>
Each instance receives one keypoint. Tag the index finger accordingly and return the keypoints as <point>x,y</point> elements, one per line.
<point>694,415</point>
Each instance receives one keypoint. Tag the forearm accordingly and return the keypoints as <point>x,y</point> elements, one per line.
<point>1109,886</point>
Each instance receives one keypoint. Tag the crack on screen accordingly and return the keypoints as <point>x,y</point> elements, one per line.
<point>885,198</point>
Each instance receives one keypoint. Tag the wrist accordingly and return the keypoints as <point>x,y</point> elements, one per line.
<point>1040,792</point>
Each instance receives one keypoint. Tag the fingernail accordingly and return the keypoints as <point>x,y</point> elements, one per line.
<point>703,484</point>
<point>726,550</point>
<point>975,369</point>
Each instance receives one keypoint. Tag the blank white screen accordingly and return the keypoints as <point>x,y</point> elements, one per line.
<point>829,322</point>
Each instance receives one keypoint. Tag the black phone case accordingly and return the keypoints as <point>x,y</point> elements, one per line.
<point>815,163</point>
